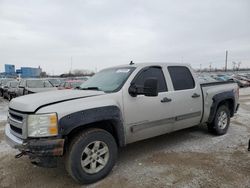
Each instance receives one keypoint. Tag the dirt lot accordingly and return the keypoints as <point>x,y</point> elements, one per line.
<point>188,158</point>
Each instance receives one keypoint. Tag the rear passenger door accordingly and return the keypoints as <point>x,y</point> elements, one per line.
<point>187,97</point>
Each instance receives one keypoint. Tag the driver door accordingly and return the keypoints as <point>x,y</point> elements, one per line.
<point>147,117</point>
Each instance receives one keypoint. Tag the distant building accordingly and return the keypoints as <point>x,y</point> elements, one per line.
<point>24,72</point>
<point>30,72</point>
<point>9,69</point>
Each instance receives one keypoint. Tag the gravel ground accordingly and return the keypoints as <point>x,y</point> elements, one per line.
<point>187,158</point>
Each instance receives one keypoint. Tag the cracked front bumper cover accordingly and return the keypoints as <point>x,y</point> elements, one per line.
<point>35,147</point>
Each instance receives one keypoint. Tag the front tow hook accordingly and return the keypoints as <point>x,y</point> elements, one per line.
<point>20,155</point>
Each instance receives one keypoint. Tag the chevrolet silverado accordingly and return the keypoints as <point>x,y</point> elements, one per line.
<point>116,107</point>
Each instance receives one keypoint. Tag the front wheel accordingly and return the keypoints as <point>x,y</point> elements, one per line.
<point>91,156</point>
<point>221,121</point>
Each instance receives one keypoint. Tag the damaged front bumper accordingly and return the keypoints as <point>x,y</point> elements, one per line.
<point>37,149</point>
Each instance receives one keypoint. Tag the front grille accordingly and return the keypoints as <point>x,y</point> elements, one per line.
<point>17,123</point>
<point>17,117</point>
<point>18,130</point>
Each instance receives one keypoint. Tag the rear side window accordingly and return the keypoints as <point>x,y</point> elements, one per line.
<point>181,77</point>
<point>152,72</point>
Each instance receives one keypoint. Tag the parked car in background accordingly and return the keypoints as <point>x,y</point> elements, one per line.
<point>239,77</point>
<point>71,84</point>
<point>222,77</point>
<point>84,78</point>
<point>54,81</point>
<point>3,82</point>
<point>206,79</point>
<point>28,86</point>
<point>9,90</point>
<point>242,81</point>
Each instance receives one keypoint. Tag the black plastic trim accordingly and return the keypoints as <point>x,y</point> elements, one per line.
<point>107,113</point>
<point>220,98</point>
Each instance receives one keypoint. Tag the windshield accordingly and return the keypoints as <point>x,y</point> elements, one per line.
<point>14,84</point>
<point>38,83</point>
<point>108,80</point>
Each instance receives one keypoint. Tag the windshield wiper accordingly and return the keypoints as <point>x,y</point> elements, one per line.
<point>91,88</point>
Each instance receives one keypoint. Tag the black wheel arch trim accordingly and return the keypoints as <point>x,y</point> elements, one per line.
<point>217,99</point>
<point>79,119</point>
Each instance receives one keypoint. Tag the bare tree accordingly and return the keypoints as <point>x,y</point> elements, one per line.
<point>82,72</point>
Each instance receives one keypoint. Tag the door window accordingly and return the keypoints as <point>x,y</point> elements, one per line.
<point>181,77</point>
<point>152,72</point>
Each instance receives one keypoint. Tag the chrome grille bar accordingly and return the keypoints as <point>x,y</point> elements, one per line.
<point>18,123</point>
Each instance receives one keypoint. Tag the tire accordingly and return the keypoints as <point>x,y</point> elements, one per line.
<point>77,152</point>
<point>221,121</point>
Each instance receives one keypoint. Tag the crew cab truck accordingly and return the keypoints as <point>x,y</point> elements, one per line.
<point>116,107</point>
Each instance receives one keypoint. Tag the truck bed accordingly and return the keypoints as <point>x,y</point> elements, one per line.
<point>209,90</point>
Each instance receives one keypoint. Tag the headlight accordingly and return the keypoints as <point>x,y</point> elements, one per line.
<point>42,125</point>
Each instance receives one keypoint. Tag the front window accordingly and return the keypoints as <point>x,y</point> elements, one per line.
<point>108,80</point>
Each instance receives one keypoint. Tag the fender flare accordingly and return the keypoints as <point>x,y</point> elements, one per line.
<point>217,99</point>
<point>78,119</point>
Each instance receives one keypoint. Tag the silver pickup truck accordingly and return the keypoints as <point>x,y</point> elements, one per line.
<point>117,106</point>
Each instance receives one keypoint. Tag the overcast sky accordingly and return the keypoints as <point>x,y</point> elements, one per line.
<point>103,33</point>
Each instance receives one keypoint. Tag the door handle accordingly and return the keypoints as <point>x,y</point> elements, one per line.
<point>195,95</point>
<point>165,99</point>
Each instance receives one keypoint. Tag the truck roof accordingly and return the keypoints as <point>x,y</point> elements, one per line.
<point>151,64</point>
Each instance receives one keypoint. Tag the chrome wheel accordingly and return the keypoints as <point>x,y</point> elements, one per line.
<point>222,120</point>
<point>94,157</point>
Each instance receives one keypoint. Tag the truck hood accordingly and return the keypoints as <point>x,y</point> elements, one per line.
<point>32,102</point>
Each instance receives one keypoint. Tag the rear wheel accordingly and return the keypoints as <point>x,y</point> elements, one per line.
<point>221,121</point>
<point>91,156</point>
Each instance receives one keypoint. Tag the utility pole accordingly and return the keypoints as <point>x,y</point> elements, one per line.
<point>200,67</point>
<point>226,61</point>
<point>70,65</point>
<point>210,67</point>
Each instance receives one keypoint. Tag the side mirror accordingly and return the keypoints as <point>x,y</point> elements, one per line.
<point>151,87</point>
<point>133,90</point>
